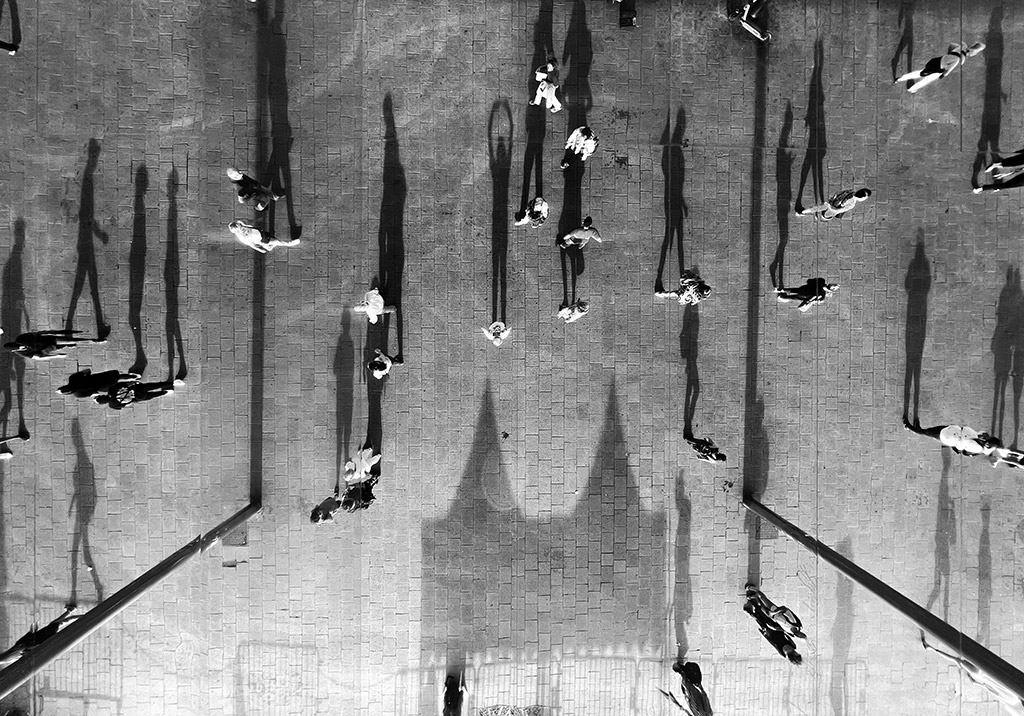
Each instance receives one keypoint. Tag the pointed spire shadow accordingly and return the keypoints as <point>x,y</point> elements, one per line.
<point>488,570</point>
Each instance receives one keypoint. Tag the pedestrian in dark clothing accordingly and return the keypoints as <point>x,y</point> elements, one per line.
<point>250,191</point>
<point>815,290</point>
<point>86,384</point>
<point>380,364</point>
<point>1015,181</point>
<point>938,67</point>
<point>696,702</point>
<point>706,449</point>
<point>324,512</point>
<point>119,397</point>
<point>838,204</point>
<point>1007,166</point>
<point>783,616</point>
<point>773,634</point>
<point>34,637</point>
<point>359,495</point>
<point>45,345</point>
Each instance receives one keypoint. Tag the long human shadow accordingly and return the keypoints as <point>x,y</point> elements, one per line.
<point>842,636</point>
<point>172,281</point>
<point>688,348</point>
<point>817,144</point>
<point>755,445</point>
<point>985,574</point>
<point>15,42</point>
<point>390,235</point>
<point>345,375</point>
<point>376,337</point>
<point>484,554</point>
<point>87,230</point>
<point>682,599</point>
<point>536,116</point>
<point>945,538</point>
<point>917,283</point>
<point>14,314</point>
<point>992,108</point>
<point>83,502</point>
<point>137,267</point>
<point>673,169</point>
<point>783,195</point>
<point>906,44</point>
<point>577,58</point>
<point>5,624</point>
<point>499,146</point>
<point>272,95</point>
<point>1007,354</point>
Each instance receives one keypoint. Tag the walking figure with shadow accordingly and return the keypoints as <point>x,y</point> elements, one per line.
<point>1007,348</point>
<point>499,146</point>
<point>137,268</point>
<point>673,168</point>
<point>14,45</point>
<point>391,234</point>
<point>83,503</point>
<point>14,315</point>
<point>272,91</point>
<point>917,284</point>
<point>345,374</point>
<point>817,144</point>
<point>704,448</point>
<point>536,115</point>
<point>784,195</point>
<point>172,281</point>
<point>992,109</point>
<point>577,56</point>
<point>906,44</point>
<point>87,229</point>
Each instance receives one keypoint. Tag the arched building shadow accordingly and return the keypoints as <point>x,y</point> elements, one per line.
<point>390,235</point>
<point>1008,354</point>
<point>172,281</point>
<point>274,130</point>
<point>577,58</point>
<point>87,230</point>
<point>137,267</point>
<point>484,557</point>
<point>499,145</point>
<point>13,310</point>
<point>917,283</point>
<point>673,169</point>
<point>83,502</point>
<point>783,195</point>
<point>536,116</point>
<point>945,538</point>
<point>992,108</point>
<point>817,144</point>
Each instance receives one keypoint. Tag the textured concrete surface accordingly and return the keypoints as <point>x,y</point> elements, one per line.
<point>541,524</point>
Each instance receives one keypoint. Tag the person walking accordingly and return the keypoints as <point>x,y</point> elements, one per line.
<point>580,236</point>
<point>359,467</point>
<point>692,289</point>
<point>962,440</point>
<point>1007,166</point>
<point>373,306</point>
<point>582,143</point>
<point>574,311</point>
<point>695,698</point>
<point>1013,703</point>
<point>1015,181</point>
<point>783,616</point>
<point>547,76</point>
<point>814,290</point>
<point>258,239</point>
<point>250,191</point>
<point>772,633</point>
<point>497,332</point>
<point>325,511</point>
<point>46,345</point>
<point>120,396</point>
<point>837,205</point>
<point>86,384</point>
<point>938,67</point>
<point>705,449</point>
<point>380,364</point>
<point>536,213</point>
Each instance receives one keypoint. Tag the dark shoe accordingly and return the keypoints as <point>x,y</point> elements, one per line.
<point>102,332</point>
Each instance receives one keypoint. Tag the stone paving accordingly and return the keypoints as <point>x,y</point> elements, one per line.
<point>541,524</point>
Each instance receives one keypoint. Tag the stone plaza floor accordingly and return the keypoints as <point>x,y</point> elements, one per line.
<point>541,524</point>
